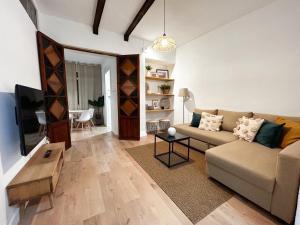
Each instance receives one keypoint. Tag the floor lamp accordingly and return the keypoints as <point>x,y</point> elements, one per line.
<point>184,93</point>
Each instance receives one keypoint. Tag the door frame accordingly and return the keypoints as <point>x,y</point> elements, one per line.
<point>87,50</point>
<point>70,47</point>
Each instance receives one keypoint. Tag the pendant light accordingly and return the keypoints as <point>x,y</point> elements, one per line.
<point>164,43</point>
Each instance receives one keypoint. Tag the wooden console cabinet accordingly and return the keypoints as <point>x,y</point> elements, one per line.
<point>37,178</point>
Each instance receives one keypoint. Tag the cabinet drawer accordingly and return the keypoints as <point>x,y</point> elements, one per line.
<point>28,191</point>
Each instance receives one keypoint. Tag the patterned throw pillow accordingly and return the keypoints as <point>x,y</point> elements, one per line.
<point>210,122</point>
<point>247,128</point>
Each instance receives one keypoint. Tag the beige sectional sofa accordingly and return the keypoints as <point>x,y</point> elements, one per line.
<point>267,177</point>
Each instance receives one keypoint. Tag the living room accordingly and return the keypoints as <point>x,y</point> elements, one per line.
<point>198,120</point>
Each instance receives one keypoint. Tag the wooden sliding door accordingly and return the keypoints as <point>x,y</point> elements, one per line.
<point>53,79</point>
<point>128,67</point>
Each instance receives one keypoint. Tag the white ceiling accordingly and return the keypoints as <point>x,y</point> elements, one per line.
<point>185,19</point>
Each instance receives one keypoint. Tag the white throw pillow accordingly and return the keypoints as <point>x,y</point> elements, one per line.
<point>210,122</point>
<point>247,128</point>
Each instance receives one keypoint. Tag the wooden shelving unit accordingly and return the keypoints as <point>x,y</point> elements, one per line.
<point>159,110</point>
<point>159,78</point>
<point>155,93</point>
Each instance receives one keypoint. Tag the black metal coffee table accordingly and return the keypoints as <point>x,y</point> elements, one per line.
<point>167,157</point>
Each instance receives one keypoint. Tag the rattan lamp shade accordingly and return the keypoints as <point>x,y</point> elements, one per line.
<point>164,44</point>
<point>183,92</point>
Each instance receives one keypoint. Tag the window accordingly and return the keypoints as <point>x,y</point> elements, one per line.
<point>31,10</point>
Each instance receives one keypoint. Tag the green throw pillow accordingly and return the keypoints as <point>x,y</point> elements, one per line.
<point>196,120</point>
<point>270,134</point>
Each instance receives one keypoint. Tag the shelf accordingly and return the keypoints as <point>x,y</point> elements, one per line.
<point>158,94</point>
<point>159,78</point>
<point>160,110</point>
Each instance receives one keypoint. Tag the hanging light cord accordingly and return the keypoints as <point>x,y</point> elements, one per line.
<point>164,17</point>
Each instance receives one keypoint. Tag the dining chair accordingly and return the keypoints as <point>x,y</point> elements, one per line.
<point>84,119</point>
<point>91,111</point>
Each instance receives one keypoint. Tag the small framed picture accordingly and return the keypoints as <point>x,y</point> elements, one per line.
<point>162,73</point>
<point>155,103</point>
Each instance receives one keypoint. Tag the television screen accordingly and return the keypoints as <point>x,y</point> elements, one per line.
<point>31,118</point>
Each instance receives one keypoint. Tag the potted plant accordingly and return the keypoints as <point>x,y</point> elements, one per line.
<point>98,104</point>
<point>148,68</point>
<point>165,88</point>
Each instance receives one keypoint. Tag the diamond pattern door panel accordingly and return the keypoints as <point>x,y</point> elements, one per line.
<point>54,83</point>
<point>128,67</point>
<point>129,107</point>
<point>52,55</point>
<point>129,97</point>
<point>53,79</point>
<point>128,87</point>
<point>57,109</point>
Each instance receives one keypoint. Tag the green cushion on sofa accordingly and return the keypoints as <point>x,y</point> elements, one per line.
<point>196,120</point>
<point>269,134</point>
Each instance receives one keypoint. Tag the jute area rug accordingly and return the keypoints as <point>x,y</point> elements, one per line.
<point>187,185</point>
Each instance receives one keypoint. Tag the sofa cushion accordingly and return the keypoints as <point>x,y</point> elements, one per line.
<point>196,119</point>
<point>211,137</point>
<point>230,118</point>
<point>211,111</point>
<point>269,134</point>
<point>251,162</point>
<point>291,132</point>
<point>247,128</point>
<point>210,122</point>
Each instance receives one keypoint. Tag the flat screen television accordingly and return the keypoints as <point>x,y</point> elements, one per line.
<point>30,116</point>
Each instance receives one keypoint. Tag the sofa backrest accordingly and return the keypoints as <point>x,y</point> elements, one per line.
<point>272,118</point>
<point>230,118</point>
<point>211,111</point>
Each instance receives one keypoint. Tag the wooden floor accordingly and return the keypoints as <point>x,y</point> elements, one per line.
<point>78,134</point>
<point>102,185</point>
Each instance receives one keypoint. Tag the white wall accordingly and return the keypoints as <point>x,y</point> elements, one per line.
<point>19,64</point>
<point>249,64</point>
<point>111,64</point>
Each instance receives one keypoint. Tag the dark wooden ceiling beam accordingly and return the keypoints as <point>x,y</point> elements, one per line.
<point>98,15</point>
<point>147,4</point>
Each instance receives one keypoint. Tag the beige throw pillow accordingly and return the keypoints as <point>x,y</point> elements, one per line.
<point>210,122</point>
<point>247,128</point>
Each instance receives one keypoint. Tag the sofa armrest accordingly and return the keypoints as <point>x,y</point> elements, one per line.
<point>286,189</point>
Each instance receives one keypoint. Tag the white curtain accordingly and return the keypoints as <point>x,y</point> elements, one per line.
<point>90,84</point>
<point>71,85</point>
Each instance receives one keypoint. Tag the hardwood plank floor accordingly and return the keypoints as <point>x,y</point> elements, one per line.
<point>102,185</point>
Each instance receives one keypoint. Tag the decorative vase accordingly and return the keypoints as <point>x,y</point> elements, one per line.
<point>171,131</point>
<point>148,74</point>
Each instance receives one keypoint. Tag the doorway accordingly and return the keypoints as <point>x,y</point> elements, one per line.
<point>89,80</point>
